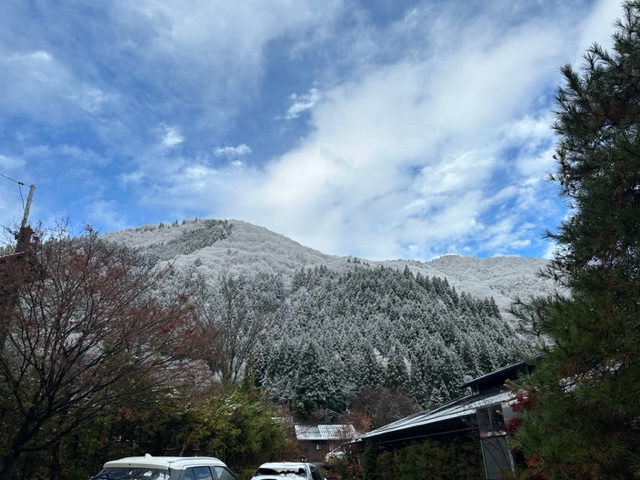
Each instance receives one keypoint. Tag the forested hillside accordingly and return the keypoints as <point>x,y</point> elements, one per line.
<point>381,327</point>
<point>321,331</point>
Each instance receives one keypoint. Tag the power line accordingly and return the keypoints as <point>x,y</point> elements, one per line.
<point>20,184</point>
<point>9,178</point>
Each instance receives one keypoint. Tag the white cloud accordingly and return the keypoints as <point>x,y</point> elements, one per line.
<point>239,150</point>
<point>91,99</point>
<point>451,121</point>
<point>131,177</point>
<point>9,163</point>
<point>301,103</point>
<point>197,177</point>
<point>38,84</point>
<point>420,154</point>
<point>214,48</point>
<point>598,26</point>
<point>427,134</point>
<point>171,137</point>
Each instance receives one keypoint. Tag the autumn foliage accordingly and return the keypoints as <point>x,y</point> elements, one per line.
<point>88,333</point>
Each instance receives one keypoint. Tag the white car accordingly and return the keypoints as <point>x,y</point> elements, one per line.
<point>165,468</point>
<point>336,454</point>
<point>287,471</point>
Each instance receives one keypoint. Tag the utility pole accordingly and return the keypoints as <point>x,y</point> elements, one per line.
<point>23,237</point>
<point>32,187</point>
<point>12,271</point>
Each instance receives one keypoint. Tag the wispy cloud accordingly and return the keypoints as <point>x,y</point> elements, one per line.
<point>427,125</point>
<point>238,150</point>
<point>171,137</point>
<point>301,103</point>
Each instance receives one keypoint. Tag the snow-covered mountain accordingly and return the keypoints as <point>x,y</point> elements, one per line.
<point>338,325</point>
<point>239,248</point>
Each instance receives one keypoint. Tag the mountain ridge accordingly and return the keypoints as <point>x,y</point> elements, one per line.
<point>236,247</point>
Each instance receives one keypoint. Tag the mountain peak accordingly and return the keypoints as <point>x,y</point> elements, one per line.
<point>235,247</point>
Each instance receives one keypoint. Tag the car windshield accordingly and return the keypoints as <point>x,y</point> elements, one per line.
<point>132,474</point>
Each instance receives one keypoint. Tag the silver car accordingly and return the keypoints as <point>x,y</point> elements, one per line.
<point>165,468</point>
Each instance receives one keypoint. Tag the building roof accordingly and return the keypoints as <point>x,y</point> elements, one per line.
<point>327,431</point>
<point>497,377</point>
<point>458,409</point>
<point>454,416</point>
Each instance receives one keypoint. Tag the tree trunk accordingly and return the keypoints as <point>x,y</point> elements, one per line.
<point>55,470</point>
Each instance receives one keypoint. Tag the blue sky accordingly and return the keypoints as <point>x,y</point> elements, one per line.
<point>382,129</point>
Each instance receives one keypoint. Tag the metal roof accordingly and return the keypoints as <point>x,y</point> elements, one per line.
<point>328,431</point>
<point>510,371</point>
<point>460,408</point>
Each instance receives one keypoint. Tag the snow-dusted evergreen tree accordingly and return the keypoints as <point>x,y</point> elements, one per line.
<point>189,241</point>
<point>372,326</point>
<point>381,327</point>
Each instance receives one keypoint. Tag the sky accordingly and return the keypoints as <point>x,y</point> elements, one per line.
<point>382,129</point>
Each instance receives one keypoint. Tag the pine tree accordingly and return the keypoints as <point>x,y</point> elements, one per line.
<point>583,400</point>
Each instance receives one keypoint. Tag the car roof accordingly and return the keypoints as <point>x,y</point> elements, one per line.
<point>175,463</point>
<point>283,464</point>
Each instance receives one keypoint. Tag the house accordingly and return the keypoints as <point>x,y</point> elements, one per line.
<point>315,441</point>
<point>483,412</point>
